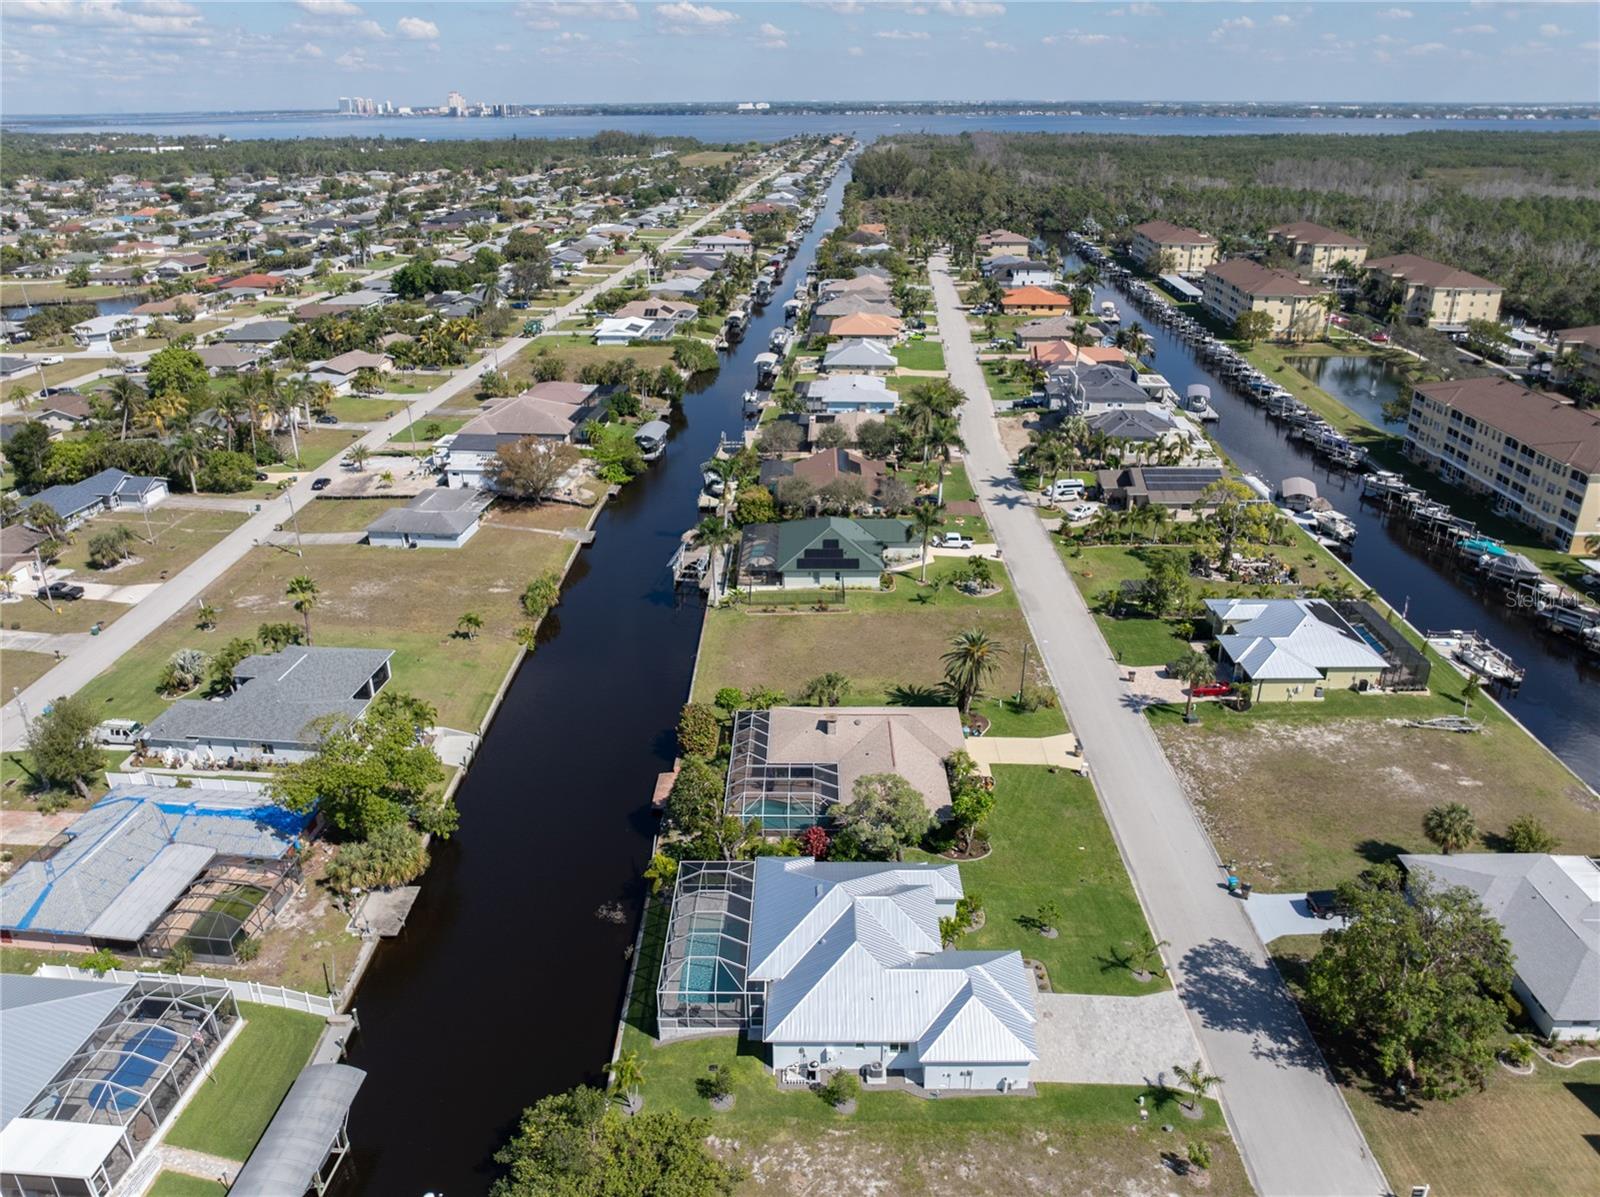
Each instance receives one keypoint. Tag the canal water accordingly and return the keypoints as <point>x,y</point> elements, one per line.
<point>102,307</point>
<point>1361,382</point>
<point>1560,699</point>
<point>507,981</point>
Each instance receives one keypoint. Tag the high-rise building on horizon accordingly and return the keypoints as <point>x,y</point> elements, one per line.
<point>455,104</point>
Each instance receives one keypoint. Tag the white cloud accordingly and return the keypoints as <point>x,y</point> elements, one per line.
<point>167,18</point>
<point>1552,31</point>
<point>372,29</point>
<point>571,37</point>
<point>1282,19</point>
<point>1473,29</point>
<point>1395,14</point>
<point>329,8</point>
<point>903,35</point>
<point>685,15</point>
<point>768,29</point>
<point>355,60</point>
<point>1426,49</point>
<point>1135,10</point>
<point>417,29</point>
<point>1232,25</point>
<point>1078,37</point>
<point>969,8</point>
<point>543,14</point>
<point>855,51</point>
<point>310,50</point>
<point>1000,47</point>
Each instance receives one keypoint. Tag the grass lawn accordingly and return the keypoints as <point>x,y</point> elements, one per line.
<point>18,782</point>
<point>1002,385</point>
<point>230,1111</point>
<point>421,432</point>
<point>1540,1127</point>
<point>957,486</point>
<point>179,1184</point>
<point>363,411</point>
<point>578,352</point>
<point>1008,719</point>
<point>343,515</point>
<point>920,355</point>
<point>23,669</point>
<point>34,615</point>
<point>181,535</point>
<point>881,641</point>
<point>370,598</point>
<point>1142,641</point>
<point>1050,843</point>
<point>320,445</point>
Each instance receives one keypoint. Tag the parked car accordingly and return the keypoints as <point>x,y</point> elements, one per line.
<point>65,591</point>
<point>1029,401</point>
<point>955,540</point>
<point>533,328</point>
<point>327,417</point>
<point>1379,337</point>
<point>321,483</point>
<point>1212,690</point>
<point>1079,511</point>
<point>261,476</point>
<point>1324,903</point>
<point>1067,488</point>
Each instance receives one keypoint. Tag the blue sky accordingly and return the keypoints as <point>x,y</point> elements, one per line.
<point>181,55</point>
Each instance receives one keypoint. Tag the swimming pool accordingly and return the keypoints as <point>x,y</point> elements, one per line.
<point>123,1089</point>
<point>705,977</point>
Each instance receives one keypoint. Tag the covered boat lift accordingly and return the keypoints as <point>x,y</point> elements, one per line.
<point>308,1137</point>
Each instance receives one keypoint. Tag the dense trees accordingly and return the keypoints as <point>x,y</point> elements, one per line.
<point>61,743</point>
<point>1514,207</point>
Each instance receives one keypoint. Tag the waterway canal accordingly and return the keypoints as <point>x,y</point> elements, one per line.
<point>507,982</point>
<point>1560,700</point>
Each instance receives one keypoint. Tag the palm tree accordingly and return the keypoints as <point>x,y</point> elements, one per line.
<point>826,689</point>
<point>1450,826</point>
<point>1192,669</point>
<point>362,239</point>
<point>254,386</point>
<point>303,592</point>
<point>360,455</point>
<point>231,406</point>
<point>186,449</point>
<point>287,403</point>
<point>926,518</point>
<point>124,395</point>
<point>1196,1080</point>
<point>627,1074</point>
<point>714,533</point>
<point>973,658</point>
<point>469,625</point>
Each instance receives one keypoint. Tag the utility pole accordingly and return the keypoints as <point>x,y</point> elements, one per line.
<point>1022,678</point>
<point>38,565</point>
<point>294,519</point>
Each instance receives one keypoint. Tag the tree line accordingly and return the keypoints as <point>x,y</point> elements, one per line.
<point>1518,208</point>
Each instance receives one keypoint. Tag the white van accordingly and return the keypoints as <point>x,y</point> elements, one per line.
<point>1066,490</point>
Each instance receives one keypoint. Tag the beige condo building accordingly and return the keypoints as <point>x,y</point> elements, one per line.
<point>1584,343</point>
<point>1316,247</point>
<point>1437,295</point>
<point>1231,288</point>
<point>1538,457</point>
<point>1172,249</point>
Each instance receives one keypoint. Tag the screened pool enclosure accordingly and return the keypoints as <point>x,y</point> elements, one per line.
<point>786,798</point>
<point>702,985</point>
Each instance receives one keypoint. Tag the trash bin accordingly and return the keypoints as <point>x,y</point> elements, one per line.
<point>1244,891</point>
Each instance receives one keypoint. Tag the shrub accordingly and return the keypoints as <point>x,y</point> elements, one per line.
<point>729,699</point>
<point>226,472</point>
<point>184,671</point>
<point>814,842</point>
<point>698,730</point>
<point>111,547</point>
<point>248,949</point>
<point>1527,834</point>
<point>104,960</point>
<point>841,1087</point>
<point>1517,1052</point>
<point>392,855</point>
<point>542,593</point>
<point>715,1087</point>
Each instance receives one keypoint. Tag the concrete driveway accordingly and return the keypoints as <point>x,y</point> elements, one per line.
<point>1294,1131</point>
<point>1287,914</point>
<point>1093,1039</point>
<point>1058,751</point>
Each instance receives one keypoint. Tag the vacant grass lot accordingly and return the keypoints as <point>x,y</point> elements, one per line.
<point>422,433</point>
<point>370,598</point>
<point>23,669</point>
<point>320,445</point>
<point>180,536</point>
<point>31,614</point>
<point>1001,383</point>
<point>881,641</point>
<point>1304,795</point>
<point>920,355</point>
<point>578,352</point>
<point>230,1111</point>
<point>343,515</point>
<point>1142,641</point>
<point>1050,843</point>
<point>1539,1128</point>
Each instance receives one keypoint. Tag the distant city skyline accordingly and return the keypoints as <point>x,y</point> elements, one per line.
<point>120,56</point>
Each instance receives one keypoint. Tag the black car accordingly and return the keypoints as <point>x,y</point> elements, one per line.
<point>261,476</point>
<point>321,483</point>
<point>327,417</point>
<point>1028,401</point>
<point>1324,903</point>
<point>64,591</point>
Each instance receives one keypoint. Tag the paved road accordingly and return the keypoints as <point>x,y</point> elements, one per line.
<point>1291,1123</point>
<point>185,590</point>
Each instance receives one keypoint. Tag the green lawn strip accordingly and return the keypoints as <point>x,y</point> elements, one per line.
<point>1539,1127</point>
<point>180,535</point>
<point>1002,385</point>
<point>318,446</point>
<point>179,1184</point>
<point>920,355</point>
<point>1008,719</point>
<point>957,486</point>
<point>231,1109</point>
<point>79,615</point>
<point>343,515</point>
<point>422,431</point>
<point>19,782</point>
<point>1142,642</point>
<point>1049,842</point>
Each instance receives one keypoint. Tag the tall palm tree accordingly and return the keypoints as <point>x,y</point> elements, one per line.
<point>124,395</point>
<point>1192,669</point>
<point>714,534</point>
<point>288,401</point>
<point>231,406</point>
<point>973,658</point>
<point>925,519</point>
<point>303,594</point>
<point>253,388</point>
<point>362,239</point>
<point>186,449</point>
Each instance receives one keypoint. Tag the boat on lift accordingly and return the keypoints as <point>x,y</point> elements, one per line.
<point>1197,402</point>
<point>766,369</point>
<point>1109,313</point>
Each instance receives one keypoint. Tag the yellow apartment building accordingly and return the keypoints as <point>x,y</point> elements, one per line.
<point>1168,248</point>
<point>1229,289</point>
<point>1437,295</point>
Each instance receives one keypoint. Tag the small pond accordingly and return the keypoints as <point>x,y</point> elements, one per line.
<point>1362,383</point>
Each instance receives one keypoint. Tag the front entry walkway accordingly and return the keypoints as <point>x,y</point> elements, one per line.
<point>1093,1039</point>
<point>1060,751</point>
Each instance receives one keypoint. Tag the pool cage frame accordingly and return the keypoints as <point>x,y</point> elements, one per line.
<point>1406,667</point>
<point>709,929</point>
<point>85,1089</point>
<point>806,792</point>
<point>214,936</point>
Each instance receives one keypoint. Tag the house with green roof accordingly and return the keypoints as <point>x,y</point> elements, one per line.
<point>823,553</point>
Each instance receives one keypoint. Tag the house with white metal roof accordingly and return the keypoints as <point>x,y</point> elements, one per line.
<point>1290,650</point>
<point>840,966</point>
<point>1549,908</point>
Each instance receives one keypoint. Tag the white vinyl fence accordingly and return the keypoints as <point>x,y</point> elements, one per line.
<point>244,991</point>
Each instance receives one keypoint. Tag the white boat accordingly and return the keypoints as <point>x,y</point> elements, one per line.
<point>1261,489</point>
<point>1336,525</point>
<point>652,439</point>
<point>767,365</point>
<point>1197,402</point>
<point>780,339</point>
<point>1109,313</point>
<point>1487,661</point>
<point>753,402</point>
